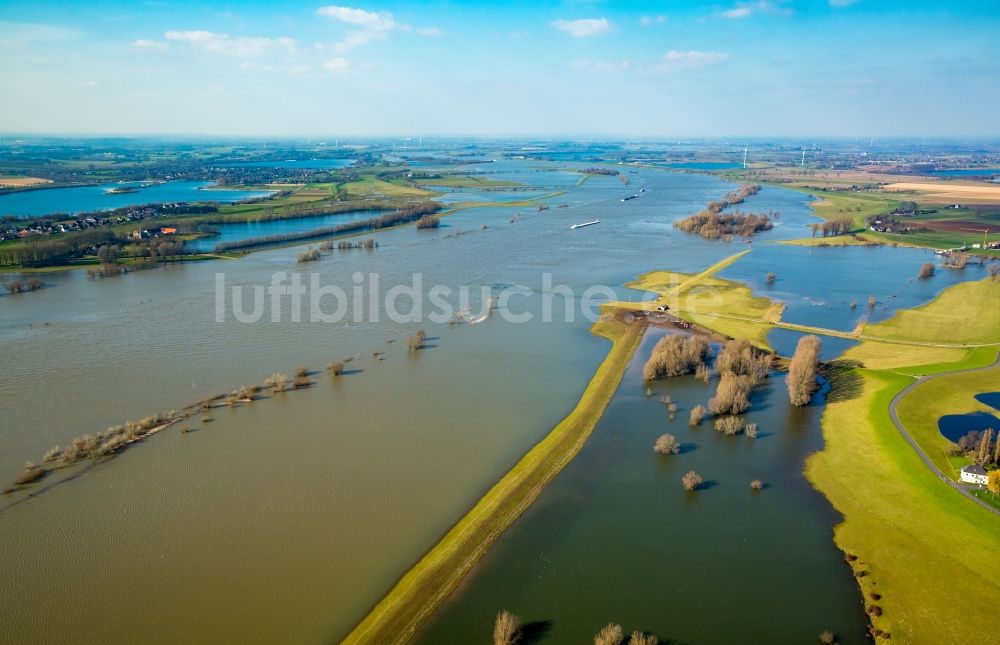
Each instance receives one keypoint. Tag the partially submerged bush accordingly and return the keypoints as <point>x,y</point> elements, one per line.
<point>301,370</point>
<point>697,414</point>
<point>301,382</point>
<point>757,484</point>
<point>729,426</point>
<point>667,444</point>
<point>926,270</point>
<point>309,256</point>
<point>732,395</point>
<point>691,480</point>
<point>336,368</point>
<point>750,430</point>
<point>506,629</point>
<point>676,354</point>
<point>52,454</point>
<point>827,638</point>
<point>277,382</point>
<point>31,473</point>
<point>611,634</point>
<point>641,638</point>
<point>739,357</point>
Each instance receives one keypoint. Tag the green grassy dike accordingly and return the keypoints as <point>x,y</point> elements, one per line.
<point>396,618</point>
<point>927,552</point>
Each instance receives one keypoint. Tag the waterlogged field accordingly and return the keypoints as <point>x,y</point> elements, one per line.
<point>303,508</point>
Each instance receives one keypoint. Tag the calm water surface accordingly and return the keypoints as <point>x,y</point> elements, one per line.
<point>85,199</point>
<point>302,510</point>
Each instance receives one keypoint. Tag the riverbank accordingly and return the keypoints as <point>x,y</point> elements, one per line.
<point>421,590</point>
<point>912,536</point>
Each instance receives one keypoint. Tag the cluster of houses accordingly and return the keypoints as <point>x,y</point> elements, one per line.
<point>887,225</point>
<point>10,230</point>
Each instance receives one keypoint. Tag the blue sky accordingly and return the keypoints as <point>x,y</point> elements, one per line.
<point>759,67</point>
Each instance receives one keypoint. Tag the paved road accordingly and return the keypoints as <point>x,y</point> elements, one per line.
<point>906,435</point>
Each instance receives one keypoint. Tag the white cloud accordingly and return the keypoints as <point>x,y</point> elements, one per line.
<point>747,9</point>
<point>675,60</point>
<point>381,21</point>
<point>241,46</point>
<point>145,43</point>
<point>841,3</point>
<point>338,64</point>
<point>583,27</point>
<point>649,21</point>
<point>373,26</point>
<point>588,66</point>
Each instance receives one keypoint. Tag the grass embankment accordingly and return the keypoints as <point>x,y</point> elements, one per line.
<point>968,312</point>
<point>928,552</point>
<point>422,589</point>
<point>463,181</point>
<point>724,306</point>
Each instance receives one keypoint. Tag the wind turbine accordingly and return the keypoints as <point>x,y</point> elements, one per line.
<point>745,158</point>
<point>803,162</point>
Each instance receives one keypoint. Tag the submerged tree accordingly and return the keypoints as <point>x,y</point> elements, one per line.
<point>691,480</point>
<point>732,396</point>
<point>667,444</point>
<point>926,270</point>
<point>729,426</point>
<point>802,371</point>
<point>697,414</point>
<point>506,629</point>
<point>642,638</point>
<point>675,355</point>
<point>611,634</point>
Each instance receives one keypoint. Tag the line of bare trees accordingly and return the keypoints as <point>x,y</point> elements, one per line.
<point>675,355</point>
<point>395,218</point>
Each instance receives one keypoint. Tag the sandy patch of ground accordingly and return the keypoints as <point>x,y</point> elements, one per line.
<point>18,182</point>
<point>944,192</point>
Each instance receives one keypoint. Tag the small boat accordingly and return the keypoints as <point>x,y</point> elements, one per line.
<point>596,221</point>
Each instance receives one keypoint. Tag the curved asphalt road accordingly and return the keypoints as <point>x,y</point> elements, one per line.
<point>906,435</point>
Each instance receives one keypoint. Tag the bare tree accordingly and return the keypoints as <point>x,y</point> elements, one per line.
<point>506,629</point>
<point>802,370</point>
<point>697,414</point>
<point>641,638</point>
<point>691,480</point>
<point>611,634</point>
<point>667,444</point>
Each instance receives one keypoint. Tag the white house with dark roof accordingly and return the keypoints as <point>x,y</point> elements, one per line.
<point>974,474</point>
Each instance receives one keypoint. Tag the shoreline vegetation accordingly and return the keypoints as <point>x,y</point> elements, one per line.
<point>401,612</point>
<point>396,218</point>
<point>712,223</point>
<point>906,534</point>
<point>99,446</point>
